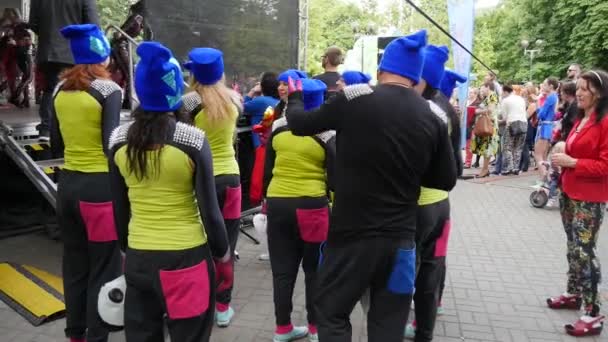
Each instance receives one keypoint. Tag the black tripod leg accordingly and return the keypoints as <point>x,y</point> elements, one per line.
<point>256,241</point>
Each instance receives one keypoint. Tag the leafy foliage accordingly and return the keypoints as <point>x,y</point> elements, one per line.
<point>337,23</point>
<point>112,11</point>
<point>573,31</point>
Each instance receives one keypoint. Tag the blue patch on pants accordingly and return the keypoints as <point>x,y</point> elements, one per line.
<point>321,248</point>
<point>403,276</point>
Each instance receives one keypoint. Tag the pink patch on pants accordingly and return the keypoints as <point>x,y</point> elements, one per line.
<point>186,291</point>
<point>232,203</point>
<point>441,246</point>
<point>98,218</point>
<point>313,224</point>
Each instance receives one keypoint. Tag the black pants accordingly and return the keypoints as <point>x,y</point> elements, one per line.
<point>290,245</point>
<point>528,146</point>
<point>91,256</point>
<point>386,266</point>
<point>228,190</point>
<point>172,286</point>
<point>432,233</point>
<point>51,71</point>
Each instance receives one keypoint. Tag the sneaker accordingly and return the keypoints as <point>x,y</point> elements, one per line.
<point>440,310</point>
<point>264,257</point>
<point>295,334</point>
<point>223,318</point>
<point>44,136</point>
<point>410,330</point>
<point>313,337</point>
<point>552,203</point>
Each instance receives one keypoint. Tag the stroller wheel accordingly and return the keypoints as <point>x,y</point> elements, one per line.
<point>539,199</point>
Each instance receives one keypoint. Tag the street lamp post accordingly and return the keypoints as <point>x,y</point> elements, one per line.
<point>532,52</point>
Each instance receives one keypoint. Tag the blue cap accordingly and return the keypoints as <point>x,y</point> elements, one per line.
<point>435,58</point>
<point>313,93</point>
<point>89,45</point>
<point>404,56</point>
<point>159,82</point>
<point>355,77</point>
<point>207,65</point>
<point>294,74</point>
<point>448,83</point>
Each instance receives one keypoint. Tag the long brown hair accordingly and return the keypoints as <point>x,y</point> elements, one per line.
<point>597,81</point>
<point>147,135</point>
<point>79,77</point>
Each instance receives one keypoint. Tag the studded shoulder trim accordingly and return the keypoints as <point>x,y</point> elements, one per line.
<point>282,122</point>
<point>354,91</point>
<point>191,101</point>
<point>326,136</point>
<point>119,135</point>
<point>58,88</point>
<point>189,135</point>
<point>106,87</point>
<point>439,112</point>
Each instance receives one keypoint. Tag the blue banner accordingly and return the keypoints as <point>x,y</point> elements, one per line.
<point>461,15</point>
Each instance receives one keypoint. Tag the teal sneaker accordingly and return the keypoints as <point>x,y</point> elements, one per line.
<point>440,310</point>
<point>223,318</point>
<point>313,337</point>
<point>410,331</point>
<point>295,334</point>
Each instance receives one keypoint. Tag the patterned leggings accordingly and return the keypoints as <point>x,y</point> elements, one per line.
<point>582,221</point>
<point>512,148</point>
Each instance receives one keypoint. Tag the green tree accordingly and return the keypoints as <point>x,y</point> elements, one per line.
<point>113,11</point>
<point>572,31</point>
<point>337,23</point>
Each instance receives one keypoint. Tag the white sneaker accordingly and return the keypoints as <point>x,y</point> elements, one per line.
<point>264,257</point>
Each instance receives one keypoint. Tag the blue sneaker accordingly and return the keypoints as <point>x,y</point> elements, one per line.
<point>223,318</point>
<point>295,334</point>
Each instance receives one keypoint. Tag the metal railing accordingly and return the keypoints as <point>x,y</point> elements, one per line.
<point>30,168</point>
<point>132,42</point>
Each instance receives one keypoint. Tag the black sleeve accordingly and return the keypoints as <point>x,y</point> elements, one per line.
<point>204,187</point>
<point>57,145</point>
<point>268,164</point>
<point>330,163</point>
<point>110,117</point>
<point>89,13</point>
<point>303,123</point>
<point>455,137</point>
<point>148,33</point>
<point>441,172</point>
<point>34,19</point>
<point>122,206</point>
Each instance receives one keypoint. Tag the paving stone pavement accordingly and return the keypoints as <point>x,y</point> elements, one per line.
<point>504,259</point>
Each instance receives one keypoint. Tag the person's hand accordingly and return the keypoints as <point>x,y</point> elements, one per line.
<point>255,91</point>
<point>263,133</point>
<point>264,207</point>
<point>563,160</point>
<point>226,256</point>
<point>294,86</point>
<point>224,272</point>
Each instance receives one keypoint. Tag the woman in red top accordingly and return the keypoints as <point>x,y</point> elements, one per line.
<point>583,203</point>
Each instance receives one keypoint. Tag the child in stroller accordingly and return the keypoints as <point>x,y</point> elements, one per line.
<point>546,193</point>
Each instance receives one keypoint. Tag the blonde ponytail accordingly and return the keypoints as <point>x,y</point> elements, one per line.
<point>219,101</point>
